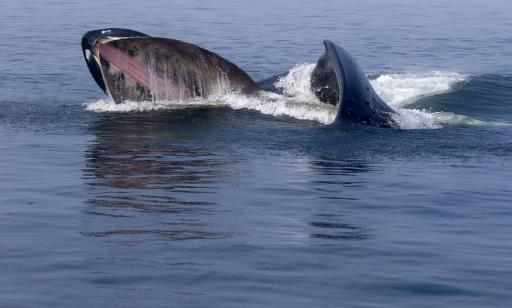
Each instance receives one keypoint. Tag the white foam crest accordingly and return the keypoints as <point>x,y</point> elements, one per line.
<point>297,82</point>
<point>398,90</point>
<point>279,105</point>
<point>108,105</point>
<point>422,119</point>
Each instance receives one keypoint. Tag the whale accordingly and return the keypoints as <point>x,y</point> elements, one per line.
<point>132,66</point>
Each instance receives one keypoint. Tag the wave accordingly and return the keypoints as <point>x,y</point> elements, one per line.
<point>399,90</point>
<point>298,101</point>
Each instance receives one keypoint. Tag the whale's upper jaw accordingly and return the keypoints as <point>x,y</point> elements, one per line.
<point>91,38</point>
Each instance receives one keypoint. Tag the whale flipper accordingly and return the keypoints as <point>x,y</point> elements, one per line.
<point>338,80</point>
<point>129,65</point>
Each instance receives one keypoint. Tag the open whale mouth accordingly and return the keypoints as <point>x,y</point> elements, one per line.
<point>132,66</point>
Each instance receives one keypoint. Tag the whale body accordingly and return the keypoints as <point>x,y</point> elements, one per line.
<point>130,65</point>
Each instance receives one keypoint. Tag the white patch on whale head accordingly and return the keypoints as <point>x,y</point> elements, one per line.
<point>88,54</point>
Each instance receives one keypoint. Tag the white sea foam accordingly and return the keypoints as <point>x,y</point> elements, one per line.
<point>280,105</point>
<point>298,101</point>
<point>422,119</point>
<point>108,105</point>
<point>398,90</point>
<point>297,83</point>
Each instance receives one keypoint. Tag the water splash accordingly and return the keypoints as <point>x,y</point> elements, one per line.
<point>297,83</point>
<point>108,105</point>
<point>398,90</point>
<point>298,101</point>
<point>280,105</point>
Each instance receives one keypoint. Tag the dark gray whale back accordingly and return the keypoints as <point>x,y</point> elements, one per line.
<point>338,80</point>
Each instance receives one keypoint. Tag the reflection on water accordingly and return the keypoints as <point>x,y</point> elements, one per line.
<point>336,178</point>
<point>327,226</point>
<point>146,182</point>
<point>150,181</point>
<point>348,166</point>
<point>338,174</point>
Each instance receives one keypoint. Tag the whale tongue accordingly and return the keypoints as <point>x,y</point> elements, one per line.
<point>129,77</point>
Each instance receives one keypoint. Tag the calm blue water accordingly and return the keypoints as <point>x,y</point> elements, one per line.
<point>239,203</point>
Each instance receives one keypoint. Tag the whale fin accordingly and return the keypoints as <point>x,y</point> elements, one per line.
<point>338,80</point>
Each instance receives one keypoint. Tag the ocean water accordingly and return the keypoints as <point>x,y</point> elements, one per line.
<point>241,201</point>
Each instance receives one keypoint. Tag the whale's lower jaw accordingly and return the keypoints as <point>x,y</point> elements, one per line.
<point>129,65</point>
<point>338,80</point>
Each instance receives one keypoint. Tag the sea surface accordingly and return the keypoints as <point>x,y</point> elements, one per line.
<point>258,201</point>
